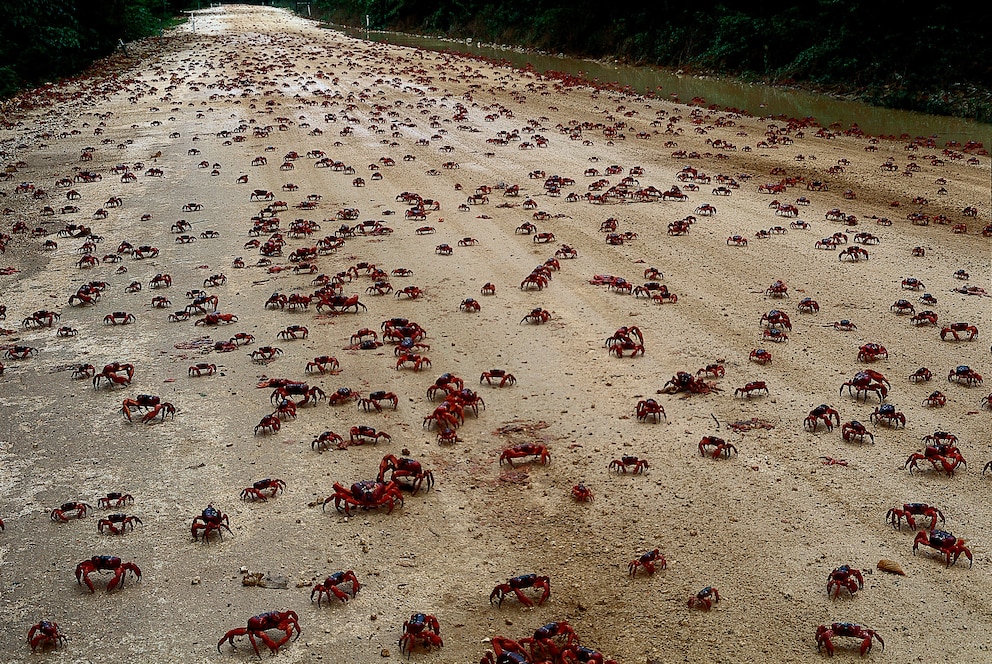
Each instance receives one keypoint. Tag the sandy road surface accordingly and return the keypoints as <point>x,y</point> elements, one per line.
<point>765,526</point>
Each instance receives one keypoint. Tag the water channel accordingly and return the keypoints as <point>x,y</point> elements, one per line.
<point>758,100</point>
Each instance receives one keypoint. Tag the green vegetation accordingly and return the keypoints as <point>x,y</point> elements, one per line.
<point>887,53</point>
<point>43,40</point>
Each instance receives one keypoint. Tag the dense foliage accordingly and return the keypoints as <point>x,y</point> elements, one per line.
<point>42,40</point>
<point>889,53</point>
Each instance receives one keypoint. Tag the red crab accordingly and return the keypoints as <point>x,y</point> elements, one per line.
<point>45,634</point>
<point>649,408</point>
<point>551,641</point>
<point>704,599</point>
<point>105,564</point>
<point>809,305</point>
<point>716,447</point>
<point>323,441</point>
<point>523,450</point>
<point>323,364</point>
<point>66,511</point>
<point>845,577</point>
<point>405,468</point>
<point>936,399</point>
<point>685,382</point>
<point>825,636</point>
<point>635,465</point>
<point>115,499</point>
<point>822,413</point>
<point>922,373</point>
<point>422,629</point>
<point>418,361</point>
<point>375,398</point>
<point>954,328</point>
<point>777,289</point>
<point>760,356</point>
<point>268,424</point>
<point>964,374</point>
<point>537,315</point>
<point>294,332</point>
<point>210,520</point>
<point>648,561</point>
<point>517,584</point>
<point>117,524</point>
<point>343,395</point>
<point>715,370</point>
<point>755,386</point>
<point>872,352</point>
<point>502,376</point>
<point>948,456</point>
<point>330,585</point>
<point>284,621</point>
<point>581,493</point>
<point>367,494</point>
<point>947,544</point>
<point>888,415</point>
<point>470,305</point>
<point>909,510</point>
<point>855,429</point>
<point>257,490</point>
<point>360,435</point>
<point>202,368</point>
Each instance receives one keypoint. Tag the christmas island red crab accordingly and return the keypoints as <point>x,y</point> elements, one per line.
<point>367,494</point>
<point>421,629</point>
<point>949,546</point>
<point>67,511</point>
<point>581,493</point>
<point>845,577</point>
<point>117,524</point>
<point>323,441</point>
<point>648,562</point>
<point>310,394</point>
<point>359,435</point>
<point>43,318</point>
<point>293,332</point>
<point>634,464</point>
<point>822,413</point>
<point>922,373</point>
<point>749,388</point>
<point>118,318</point>
<point>808,305</point>
<point>216,319</point>
<point>716,370</point>
<point>867,381</point>
<point>268,424</point>
<point>524,450</point>
<point>537,315</point>
<point>418,361</point>
<point>501,376</point>
<point>704,599</point>
<point>405,468</point>
<point>142,402</point>
<point>716,448</point>
<point>910,510</point>
<point>106,564</point>
<point>683,381</point>
<point>115,373</point>
<point>323,364</point>
<point>649,408</point>
<point>329,586</point>
<point>776,318</point>
<point>844,325</point>
<point>115,499</point>
<point>825,635</point>
<point>375,398</point>
<point>202,369</point>
<point>284,621</point>
<point>470,305</point>
<point>936,399</point>
<point>777,289</point>
<point>954,328</point>
<point>209,521</point>
<point>343,395</point>
<point>760,356</point>
<point>264,353</point>
<point>871,352</point>
<point>517,584</point>
<point>855,429</point>
<point>257,491</point>
<point>945,454</point>
<point>964,374</point>
<point>45,634</point>
<point>888,415</point>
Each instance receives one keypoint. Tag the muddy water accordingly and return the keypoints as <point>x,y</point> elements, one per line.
<point>758,100</point>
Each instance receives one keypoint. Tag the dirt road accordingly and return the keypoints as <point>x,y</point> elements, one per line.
<point>765,526</point>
